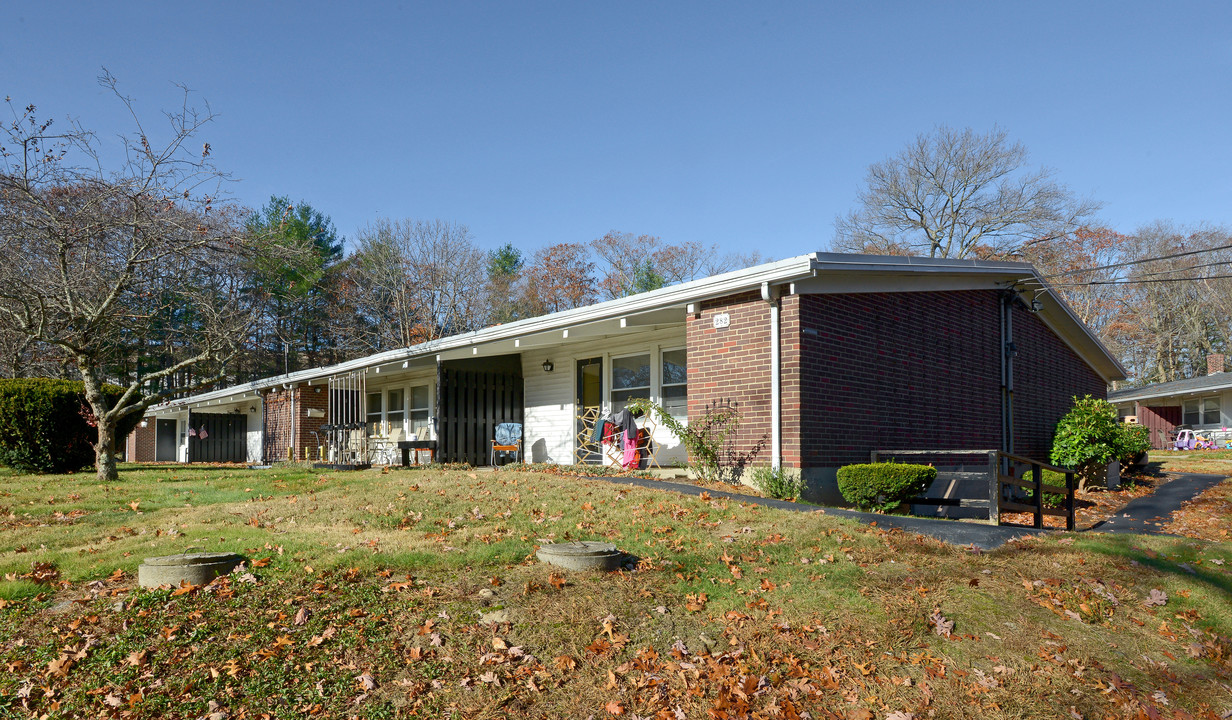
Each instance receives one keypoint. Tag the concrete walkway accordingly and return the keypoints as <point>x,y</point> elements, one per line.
<point>1144,515</point>
<point>1147,515</point>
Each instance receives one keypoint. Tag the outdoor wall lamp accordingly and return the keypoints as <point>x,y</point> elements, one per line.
<point>252,409</point>
<point>1011,350</point>
<point>548,366</point>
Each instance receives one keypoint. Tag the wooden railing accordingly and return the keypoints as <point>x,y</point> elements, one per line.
<point>1001,474</point>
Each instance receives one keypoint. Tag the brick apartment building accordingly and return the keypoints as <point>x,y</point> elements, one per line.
<point>825,356</point>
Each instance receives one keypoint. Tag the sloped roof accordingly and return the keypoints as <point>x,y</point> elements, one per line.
<point>814,272</point>
<point>1188,386</point>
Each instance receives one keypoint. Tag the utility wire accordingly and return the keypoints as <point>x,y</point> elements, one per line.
<point>1138,262</point>
<point>1133,282</point>
<point>1219,263</point>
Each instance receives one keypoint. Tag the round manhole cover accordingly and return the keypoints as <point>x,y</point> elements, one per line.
<point>581,555</point>
<point>195,568</point>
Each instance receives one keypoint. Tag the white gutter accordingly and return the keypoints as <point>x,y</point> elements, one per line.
<point>776,389</point>
<point>692,291</point>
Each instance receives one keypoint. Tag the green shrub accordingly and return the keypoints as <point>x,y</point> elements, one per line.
<point>44,426</point>
<point>1090,436</point>
<point>782,484</point>
<point>1135,440</point>
<point>882,486</point>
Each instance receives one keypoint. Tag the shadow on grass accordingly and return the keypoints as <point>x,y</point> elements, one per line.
<point>1126,548</point>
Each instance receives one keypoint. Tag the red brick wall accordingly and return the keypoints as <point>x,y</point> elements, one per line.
<point>278,423</point>
<point>898,371</point>
<point>1047,377</point>
<point>732,365</point>
<point>139,447</point>
<point>308,397</point>
<point>912,370</point>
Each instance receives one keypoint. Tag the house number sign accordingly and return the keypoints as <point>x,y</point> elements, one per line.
<point>722,320</point>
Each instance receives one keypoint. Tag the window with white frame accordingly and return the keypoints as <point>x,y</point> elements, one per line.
<point>374,413</point>
<point>630,379</point>
<point>420,411</point>
<point>1191,413</point>
<point>674,383</point>
<point>1210,411</point>
<point>395,409</point>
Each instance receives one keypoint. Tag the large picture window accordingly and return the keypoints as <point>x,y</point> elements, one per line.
<point>630,379</point>
<point>674,383</point>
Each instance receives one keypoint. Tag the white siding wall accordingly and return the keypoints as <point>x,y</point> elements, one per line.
<point>547,432</point>
<point>550,397</point>
<point>255,425</point>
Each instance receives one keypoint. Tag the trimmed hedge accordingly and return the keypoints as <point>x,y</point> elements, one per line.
<point>42,428</point>
<point>883,486</point>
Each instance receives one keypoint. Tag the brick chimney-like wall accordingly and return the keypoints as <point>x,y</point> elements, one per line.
<point>1214,363</point>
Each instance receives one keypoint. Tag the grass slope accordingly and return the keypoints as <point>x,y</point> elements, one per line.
<point>367,592</point>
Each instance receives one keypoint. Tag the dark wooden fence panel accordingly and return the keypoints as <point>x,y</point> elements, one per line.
<point>226,437</point>
<point>471,405</point>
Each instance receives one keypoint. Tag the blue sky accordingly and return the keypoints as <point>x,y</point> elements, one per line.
<point>749,125</point>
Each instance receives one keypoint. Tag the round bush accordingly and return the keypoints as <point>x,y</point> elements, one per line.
<point>883,486</point>
<point>43,428</point>
<point>1090,436</point>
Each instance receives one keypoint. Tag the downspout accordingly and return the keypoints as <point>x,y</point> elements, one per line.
<point>776,393</point>
<point>1008,351</point>
<point>291,404</point>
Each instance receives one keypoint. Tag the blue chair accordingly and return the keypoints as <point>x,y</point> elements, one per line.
<point>507,441</point>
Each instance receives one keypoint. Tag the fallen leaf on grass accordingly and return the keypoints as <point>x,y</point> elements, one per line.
<point>1157,597</point>
<point>941,625</point>
<point>366,682</point>
<point>614,708</point>
<point>60,666</point>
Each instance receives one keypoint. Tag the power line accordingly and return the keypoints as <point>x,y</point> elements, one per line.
<point>1138,262</point>
<point>1133,282</point>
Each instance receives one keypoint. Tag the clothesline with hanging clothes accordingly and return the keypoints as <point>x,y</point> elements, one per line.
<point>625,423</point>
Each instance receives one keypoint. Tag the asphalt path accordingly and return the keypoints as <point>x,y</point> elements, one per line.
<point>1145,515</point>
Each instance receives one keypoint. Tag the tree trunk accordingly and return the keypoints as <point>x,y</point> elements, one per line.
<point>105,451</point>
<point>104,448</point>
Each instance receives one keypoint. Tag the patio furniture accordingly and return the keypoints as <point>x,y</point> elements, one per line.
<point>507,441</point>
<point>381,451</point>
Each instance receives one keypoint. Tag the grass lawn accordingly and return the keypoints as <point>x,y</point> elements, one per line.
<point>367,595</point>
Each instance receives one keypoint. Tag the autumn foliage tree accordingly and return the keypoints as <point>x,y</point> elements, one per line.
<point>560,277</point>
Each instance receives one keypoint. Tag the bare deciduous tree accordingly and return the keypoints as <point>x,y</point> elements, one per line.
<point>631,263</point>
<point>418,280</point>
<point>112,266</point>
<point>958,194</point>
<point>1174,312</point>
